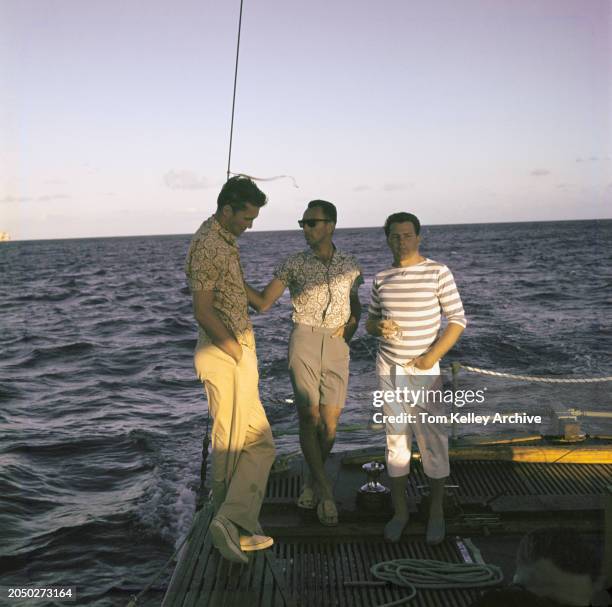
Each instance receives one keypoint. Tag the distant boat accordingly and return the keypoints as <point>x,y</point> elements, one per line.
<point>4,236</point>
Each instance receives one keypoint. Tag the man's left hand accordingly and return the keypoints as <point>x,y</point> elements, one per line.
<point>423,362</point>
<point>345,331</point>
<point>339,332</point>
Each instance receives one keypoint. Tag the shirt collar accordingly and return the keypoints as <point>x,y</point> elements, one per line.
<point>335,255</point>
<point>225,234</point>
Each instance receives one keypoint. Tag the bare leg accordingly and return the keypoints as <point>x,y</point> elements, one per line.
<point>329,416</point>
<point>395,527</point>
<point>309,441</point>
<point>326,434</point>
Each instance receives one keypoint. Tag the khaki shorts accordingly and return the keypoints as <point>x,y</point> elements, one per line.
<point>318,366</point>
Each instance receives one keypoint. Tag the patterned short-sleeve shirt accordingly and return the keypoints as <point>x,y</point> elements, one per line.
<point>320,293</point>
<point>213,264</point>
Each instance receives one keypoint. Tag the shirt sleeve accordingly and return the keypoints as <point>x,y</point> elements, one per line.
<point>358,280</point>
<point>449,298</point>
<point>204,266</point>
<point>283,271</point>
<point>374,307</point>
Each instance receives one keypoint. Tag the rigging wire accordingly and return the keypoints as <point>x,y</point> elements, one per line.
<point>231,137</point>
<point>229,157</point>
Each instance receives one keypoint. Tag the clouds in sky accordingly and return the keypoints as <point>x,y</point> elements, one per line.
<point>387,187</point>
<point>44,198</point>
<point>363,105</point>
<point>397,187</point>
<point>186,180</point>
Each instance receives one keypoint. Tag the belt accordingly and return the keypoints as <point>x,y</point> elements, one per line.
<point>322,330</point>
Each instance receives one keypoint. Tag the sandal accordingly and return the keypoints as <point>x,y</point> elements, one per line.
<point>327,513</point>
<point>307,499</point>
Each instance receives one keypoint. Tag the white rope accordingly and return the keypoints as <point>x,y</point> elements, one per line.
<point>547,380</point>
<point>295,185</point>
<point>425,573</point>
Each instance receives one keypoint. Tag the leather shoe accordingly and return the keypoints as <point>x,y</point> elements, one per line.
<point>250,543</point>
<point>226,540</point>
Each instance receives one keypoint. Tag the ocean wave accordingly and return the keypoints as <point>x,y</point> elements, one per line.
<point>52,354</point>
<point>167,327</point>
<point>94,300</point>
<point>106,417</point>
<point>52,295</point>
<point>134,440</point>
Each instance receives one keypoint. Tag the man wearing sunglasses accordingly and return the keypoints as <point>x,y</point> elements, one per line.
<point>323,283</point>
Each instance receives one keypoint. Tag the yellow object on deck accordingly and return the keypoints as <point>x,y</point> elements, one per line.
<point>590,451</point>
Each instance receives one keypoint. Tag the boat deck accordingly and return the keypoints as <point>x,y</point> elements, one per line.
<point>492,502</point>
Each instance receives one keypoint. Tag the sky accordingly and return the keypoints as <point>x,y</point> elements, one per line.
<point>115,116</point>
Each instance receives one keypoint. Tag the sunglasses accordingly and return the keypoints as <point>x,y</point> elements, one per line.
<point>311,223</point>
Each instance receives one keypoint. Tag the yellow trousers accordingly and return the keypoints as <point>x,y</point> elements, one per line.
<point>241,440</point>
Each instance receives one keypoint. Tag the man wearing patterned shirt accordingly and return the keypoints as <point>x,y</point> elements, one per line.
<point>226,362</point>
<point>323,283</point>
<point>405,313</point>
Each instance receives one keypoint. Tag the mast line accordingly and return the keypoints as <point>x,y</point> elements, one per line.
<point>229,157</point>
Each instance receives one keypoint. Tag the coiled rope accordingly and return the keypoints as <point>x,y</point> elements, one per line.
<point>426,573</point>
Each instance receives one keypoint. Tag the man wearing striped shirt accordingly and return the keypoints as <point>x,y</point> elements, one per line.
<point>405,313</point>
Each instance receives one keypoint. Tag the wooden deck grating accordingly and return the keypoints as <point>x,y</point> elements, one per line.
<point>309,564</point>
<point>316,571</point>
<point>203,578</point>
<point>488,479</point>
<point>308,573</point>
<point>483,479</point>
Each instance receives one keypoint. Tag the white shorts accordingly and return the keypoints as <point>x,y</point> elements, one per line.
<point>432,438</point>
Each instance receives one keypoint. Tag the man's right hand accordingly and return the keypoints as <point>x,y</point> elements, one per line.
<point>207,317</point>
<point>388,328</point>
<point>385,327</point>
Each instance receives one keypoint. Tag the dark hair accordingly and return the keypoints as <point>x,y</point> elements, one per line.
<point>329,210</point>
<point>565,547</point>
<point>403,218</point>
<point>239,190</point>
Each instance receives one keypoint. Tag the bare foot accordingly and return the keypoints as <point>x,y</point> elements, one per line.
<point>395,527</point>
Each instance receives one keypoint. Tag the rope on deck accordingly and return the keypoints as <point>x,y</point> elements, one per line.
<point>426,573</point>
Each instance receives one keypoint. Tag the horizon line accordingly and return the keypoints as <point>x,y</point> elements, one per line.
<point>299,230</point>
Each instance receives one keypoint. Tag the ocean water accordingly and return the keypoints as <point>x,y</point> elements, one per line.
<point>102,419</point>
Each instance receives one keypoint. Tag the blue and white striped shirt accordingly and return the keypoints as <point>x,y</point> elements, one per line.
<point>414,297</point>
